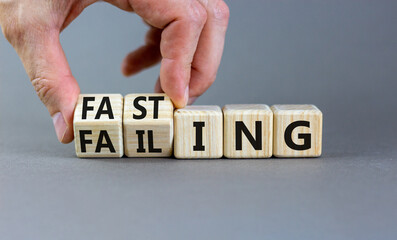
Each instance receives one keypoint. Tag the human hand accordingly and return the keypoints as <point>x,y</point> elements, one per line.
<point>187,36</point>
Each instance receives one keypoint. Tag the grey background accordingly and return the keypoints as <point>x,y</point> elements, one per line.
<point>339,55</point>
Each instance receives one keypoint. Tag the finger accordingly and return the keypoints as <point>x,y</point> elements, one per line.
<point>182,28</point>
<point>47,67</point>
<point>145,56</point>
<point>210,48</point>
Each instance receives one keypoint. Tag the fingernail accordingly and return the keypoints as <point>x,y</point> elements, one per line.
<point>60,125</point>
<point>191,100</point>
<point>187,95</point>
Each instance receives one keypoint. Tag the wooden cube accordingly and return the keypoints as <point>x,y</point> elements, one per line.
<point>98,127</point>
<point>248,131</point>
<point>198,132</point>
<point>148,125</point>
<point>297,131</point>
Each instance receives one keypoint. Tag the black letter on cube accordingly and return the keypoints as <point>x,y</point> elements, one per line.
<point>83,141</point>
<point>199,136</point>
<point>140,148</point>
<point>305,136</point>
<point>108,111</point>
<point>100,144</point>
<point>256,143</point>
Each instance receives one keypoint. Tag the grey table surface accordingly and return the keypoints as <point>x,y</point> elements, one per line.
<point>339,55</point>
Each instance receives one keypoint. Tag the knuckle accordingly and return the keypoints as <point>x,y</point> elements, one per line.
<point>202,83</point>
<point>6,32</point>
<point>10,31</point>
<point>43,88</point>
<point>221,12</point>
<point>197,14</point>
<point>20,26</point>
<point>210,81</point>
<point>16,31</point>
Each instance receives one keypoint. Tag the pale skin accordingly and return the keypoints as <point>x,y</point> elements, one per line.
<point>186,36</point>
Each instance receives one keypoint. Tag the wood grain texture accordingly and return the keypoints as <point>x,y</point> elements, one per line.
<point>99,131</point>
<point>236,143</point>
<point>284,116</point>
<point>185,133</point>
<point>158,132</point>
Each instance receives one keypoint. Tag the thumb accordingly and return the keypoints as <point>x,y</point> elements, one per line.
<point>48,69</point>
